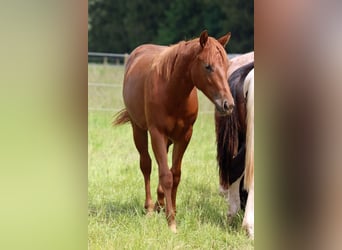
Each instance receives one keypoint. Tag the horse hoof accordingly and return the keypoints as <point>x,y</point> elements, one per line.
<point>149,212</point>
<point>173,228</point>
<point>230,218</point>
<point>149,208</point>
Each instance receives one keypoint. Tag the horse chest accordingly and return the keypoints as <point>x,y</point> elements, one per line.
<point>178,127</point>
<point>180,120</point>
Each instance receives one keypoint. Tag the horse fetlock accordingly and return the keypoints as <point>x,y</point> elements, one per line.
<point>158,206</point>
<point>232,211</point>
<point>149,207</point>
<point>249,228</point>
<point>172,222</point>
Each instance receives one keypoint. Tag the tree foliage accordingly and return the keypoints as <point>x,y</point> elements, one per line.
<point>120,26</point>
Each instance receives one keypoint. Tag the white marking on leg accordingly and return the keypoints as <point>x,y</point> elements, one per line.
<point>248,219</point>
<point>234,198</point>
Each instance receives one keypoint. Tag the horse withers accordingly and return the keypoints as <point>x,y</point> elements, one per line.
<point>235,147</point>
<point>160,97</point>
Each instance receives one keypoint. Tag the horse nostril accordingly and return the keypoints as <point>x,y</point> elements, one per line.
<point>225,105</point>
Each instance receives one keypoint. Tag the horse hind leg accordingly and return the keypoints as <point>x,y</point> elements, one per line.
<point>141,143</point>
<point>234,199</point>
<point>248,219</point>
<point>243,195</point>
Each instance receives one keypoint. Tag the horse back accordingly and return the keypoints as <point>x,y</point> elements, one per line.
<point>240,61</point>
<point>236,84</point>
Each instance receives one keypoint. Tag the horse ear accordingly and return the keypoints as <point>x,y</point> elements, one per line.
<point>225,39</point>
<point>203,38</point>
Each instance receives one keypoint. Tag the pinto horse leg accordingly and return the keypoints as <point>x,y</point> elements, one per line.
<point>159,146</point>
<point>248,220</point>
<point>234,199</point>
<point>141,143</point>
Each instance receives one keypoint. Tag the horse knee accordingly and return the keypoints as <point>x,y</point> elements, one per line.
<point>166,179</point>
<point>176,177</point>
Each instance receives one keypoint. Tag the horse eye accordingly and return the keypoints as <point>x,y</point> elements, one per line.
<point>209,68</point>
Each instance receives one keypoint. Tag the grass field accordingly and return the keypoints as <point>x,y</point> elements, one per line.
<point>116,188</point>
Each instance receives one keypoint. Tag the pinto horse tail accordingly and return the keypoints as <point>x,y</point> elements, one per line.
<point>249,165</point>
<point>227,139</point>
<point>227,147</point>
<point>121,117</point>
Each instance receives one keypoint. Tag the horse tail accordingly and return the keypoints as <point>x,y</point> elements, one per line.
<point>121,117</point>
<point>230,151</point>
<point>227,146</point>
<point>249,92</point>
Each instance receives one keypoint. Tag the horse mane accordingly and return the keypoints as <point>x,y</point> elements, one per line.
<point>230,151</point>
<point>166,61</point>
<point>169,59</point>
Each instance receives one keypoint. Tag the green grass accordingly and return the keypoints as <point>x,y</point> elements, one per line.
<point>116,188</point>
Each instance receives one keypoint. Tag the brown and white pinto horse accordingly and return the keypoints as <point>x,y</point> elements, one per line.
<point>235,147</point>
<point>239,61</point>
<point>160,97</point>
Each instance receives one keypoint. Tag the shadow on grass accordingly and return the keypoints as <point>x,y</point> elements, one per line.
<point>210,212</point>
<point>112,209</point>
<point>199,202</point>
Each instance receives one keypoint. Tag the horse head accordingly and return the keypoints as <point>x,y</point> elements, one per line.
<point>209,72</point>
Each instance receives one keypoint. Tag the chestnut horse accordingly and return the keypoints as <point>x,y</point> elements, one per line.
<point>160,97</point>
<point>235,147</point>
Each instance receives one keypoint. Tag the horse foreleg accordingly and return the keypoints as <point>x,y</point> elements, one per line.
<point>160,203</point>
<point>177,156</point>
<point>160,192</point>
<point>159,143</point>
<point>141,143</point>
<point>248,220</point>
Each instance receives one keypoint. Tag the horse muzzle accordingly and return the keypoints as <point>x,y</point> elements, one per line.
<point>223,107</point>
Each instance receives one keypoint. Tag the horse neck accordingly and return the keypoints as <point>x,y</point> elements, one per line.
<point>180,82</point>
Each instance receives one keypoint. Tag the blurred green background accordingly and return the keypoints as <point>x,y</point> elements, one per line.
<point>44,118</point>
<point>120,26</point>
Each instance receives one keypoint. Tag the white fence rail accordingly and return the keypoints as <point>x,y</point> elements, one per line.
<point>107,58</point>
<point>117,58</point>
